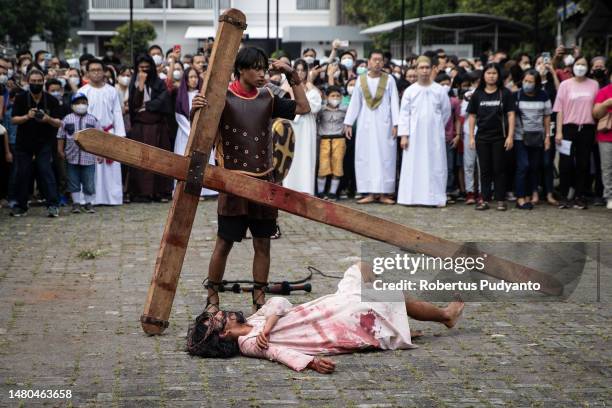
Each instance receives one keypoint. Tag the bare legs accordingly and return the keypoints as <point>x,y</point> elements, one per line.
<point>261,267</point>
<point>426,311</point>
<point>216,267</point>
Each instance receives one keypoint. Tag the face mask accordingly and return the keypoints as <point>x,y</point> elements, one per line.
<point>157,59</point>
<point>597,73</point>
<point>163,76</point>
<point>309,60</point>
<point>337,74</point>
<point>74,81</point>
<point>24,69</point>
<point>42,64</point>
<point>57,94</point>
<point>333,102</point>
<point>448,70</point>
<point>186,66</point>
<point>568,60</point>
<point>36,88</point>
<point>3,79</point>
<point>109,54</point>
<point>10,72</point>
<point>176,74</point>
<point>529,88</point>
<point>80,109</point>
<point>446,88</point>
<point>125,81</point>
<point>525,67</point>
<point>347,62</point>
<point>397,75</point>
<point>349,89</point>
<point>580,70</point>
<point>361,70</point>
<point>25,87</point>
<point>62,81</point>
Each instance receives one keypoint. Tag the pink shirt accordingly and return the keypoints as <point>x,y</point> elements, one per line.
<point>449,129</point>
<point>604,94</point>
<point>575,100</point>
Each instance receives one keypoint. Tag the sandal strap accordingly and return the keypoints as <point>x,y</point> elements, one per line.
<point>258,286</point>
<point>216,287</point>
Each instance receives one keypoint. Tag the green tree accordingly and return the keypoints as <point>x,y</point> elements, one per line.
<point>20,20</point>
<point>143,32</point>
<point>56,23</point>
<point>373,12</point>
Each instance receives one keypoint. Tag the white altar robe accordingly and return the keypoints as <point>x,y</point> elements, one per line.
<point>375,147</point>
<point>423,114</point>
<point>105,105</point>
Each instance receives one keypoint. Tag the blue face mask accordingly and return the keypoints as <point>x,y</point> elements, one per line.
<point>361,70</point>
<point>529,88</point>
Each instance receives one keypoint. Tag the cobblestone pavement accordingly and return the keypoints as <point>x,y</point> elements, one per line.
<point>70,323</point>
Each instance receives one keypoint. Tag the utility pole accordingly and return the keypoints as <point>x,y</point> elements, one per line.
<point>403,20</point>
<point>277,37</point>
<point>132,31</point>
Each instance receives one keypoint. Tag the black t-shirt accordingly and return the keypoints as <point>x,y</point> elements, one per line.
<point>283,108</point>
<point>488,111</point>
<point>32,135</point>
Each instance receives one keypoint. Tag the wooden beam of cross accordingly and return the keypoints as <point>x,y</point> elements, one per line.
<point>192,172</point>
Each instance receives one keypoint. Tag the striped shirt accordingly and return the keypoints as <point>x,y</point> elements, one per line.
<point>70,125</point>
<point>530,113</point>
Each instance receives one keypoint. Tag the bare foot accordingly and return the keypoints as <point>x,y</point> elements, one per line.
<point>415,334</point>
<point>453,310</point>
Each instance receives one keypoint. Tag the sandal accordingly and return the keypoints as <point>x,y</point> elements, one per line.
<point>216,288</point>
<point>501,206</point>
<point>260,286</point>
<point>481,206</point>
<point>277,234</point>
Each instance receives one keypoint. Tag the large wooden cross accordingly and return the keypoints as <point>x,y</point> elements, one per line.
<point>192,172</point>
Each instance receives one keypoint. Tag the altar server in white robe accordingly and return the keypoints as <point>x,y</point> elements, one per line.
<point>424,111</point>
<point>375,106</point>
<point>301,175</point>
<point>105,104</point>
<point>188,88</point>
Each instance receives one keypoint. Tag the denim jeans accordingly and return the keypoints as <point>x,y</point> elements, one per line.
<point>81,175</point>
<point>527,168</point>
<point>43,160</point>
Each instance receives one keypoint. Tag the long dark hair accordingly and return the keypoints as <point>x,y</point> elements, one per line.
<point>202,341</point>
<point>500,78</point>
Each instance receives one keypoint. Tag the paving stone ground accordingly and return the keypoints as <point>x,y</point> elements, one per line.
<point>68,323</point>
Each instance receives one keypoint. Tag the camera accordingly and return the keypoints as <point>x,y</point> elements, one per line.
<point>39,114</point>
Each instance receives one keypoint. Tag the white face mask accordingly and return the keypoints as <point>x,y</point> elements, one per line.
<point>176,74</point>
<point>333,102</point>
<point>124,81</point>
<point>525,67</point>
<point>62,81</point>
<point>568,60</point>
<point>580,70</point>
<point>57,94</point>
<point>347,62</point>
<point>3,79</point>
<point>309,60</point>
<point>163,76</point>
<point>74,81</point>
<point>157,59</point>
<point>446,88</point>
<point>397,75</point>
<point>80,109</point>
<point>448,70</point>
<point>10,72</point>
<point>337,74</point>
<point>349,89</point>
<point>25,87</point>
<point>24,69</point>
<point>186,65</point>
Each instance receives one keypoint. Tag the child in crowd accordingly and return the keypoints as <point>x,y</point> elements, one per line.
<point>80,165</point>
<point>330,127</point>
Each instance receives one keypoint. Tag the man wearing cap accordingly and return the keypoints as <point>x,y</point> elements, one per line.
<point>80,165</point>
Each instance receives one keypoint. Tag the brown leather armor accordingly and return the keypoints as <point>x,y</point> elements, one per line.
<point>245,145</point>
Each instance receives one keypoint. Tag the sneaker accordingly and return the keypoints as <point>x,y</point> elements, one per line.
<point>450,199</point>
<point>482,205</point>
<point>76,208</point>
<point>320,195</point>
<point>580,204</point>
<point>470,199</point>
<point>564,204</point>
<point>501,206</point>
<point>599,202</point>
<point>53,212</point>
<point>609,205</point>
<point>89,208</point>
<point>332,197</point>
<point>19,212</point>
<point>510,196</point>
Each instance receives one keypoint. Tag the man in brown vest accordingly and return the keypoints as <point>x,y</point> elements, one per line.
<point>245,145</point>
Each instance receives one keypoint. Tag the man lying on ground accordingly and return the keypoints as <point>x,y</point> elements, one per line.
<point>343,322</point>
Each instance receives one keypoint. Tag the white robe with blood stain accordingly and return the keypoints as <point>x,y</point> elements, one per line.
<point>182,136</point>
<point>375,147</point>
<point>105,104</point>
<point>343,322</point>
<point>423,114</point>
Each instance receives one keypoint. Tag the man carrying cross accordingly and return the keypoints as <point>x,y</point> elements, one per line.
<point>244,145</point>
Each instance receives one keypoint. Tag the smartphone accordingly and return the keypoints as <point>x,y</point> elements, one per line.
<point>176,49</point>
<point>568,50</point>
<point>546,57</point>
<point>343,43</point>
<point>60,71</point>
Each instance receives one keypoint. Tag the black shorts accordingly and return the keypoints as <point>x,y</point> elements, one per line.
<point>233,228</point>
